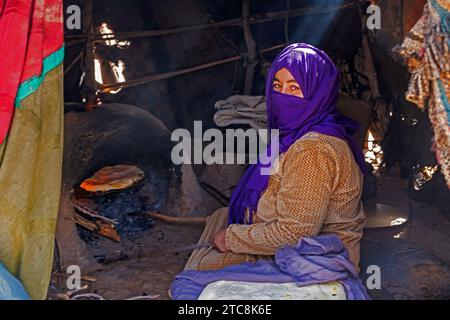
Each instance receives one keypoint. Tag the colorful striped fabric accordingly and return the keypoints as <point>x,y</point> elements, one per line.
<point>31,41</point>
<point>31,138</point>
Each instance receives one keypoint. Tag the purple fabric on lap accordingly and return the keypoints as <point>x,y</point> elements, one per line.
<point>315,260</point>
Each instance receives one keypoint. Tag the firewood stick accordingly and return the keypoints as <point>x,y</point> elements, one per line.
<point>98,226</point>
<point>171,219</point>
<point>85,223</point>
<point>92,213</point>
<point>251,48</point>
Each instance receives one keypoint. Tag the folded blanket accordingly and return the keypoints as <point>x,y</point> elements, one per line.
<point>315,260</point>
<point>239,109</point>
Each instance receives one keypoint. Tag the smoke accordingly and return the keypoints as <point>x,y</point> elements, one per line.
<point>312,28</point>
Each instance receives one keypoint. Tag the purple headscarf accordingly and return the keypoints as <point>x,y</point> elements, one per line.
<point>294,117</point>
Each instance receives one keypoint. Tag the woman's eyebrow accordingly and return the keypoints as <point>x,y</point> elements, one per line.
<point>275,79</point>
<point>292,81</point>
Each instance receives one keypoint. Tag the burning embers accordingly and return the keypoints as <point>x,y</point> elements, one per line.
<point>106,203</point>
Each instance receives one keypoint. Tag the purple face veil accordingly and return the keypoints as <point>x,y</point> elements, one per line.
<point>294,117</point>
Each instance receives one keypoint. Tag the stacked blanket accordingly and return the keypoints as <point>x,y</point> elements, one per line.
<point>241,110</point>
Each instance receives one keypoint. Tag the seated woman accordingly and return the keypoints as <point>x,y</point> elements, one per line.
<point>317,186</point>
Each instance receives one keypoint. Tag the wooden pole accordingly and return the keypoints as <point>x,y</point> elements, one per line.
<point>260,18</point>
<point>166,75</point>
<point>252,60</point>
<point>89,83</point>
<point>286,22</point>
<point>369,62</point>
<point>370,68</point>
<point>171,74</point>
<point>73,63</point>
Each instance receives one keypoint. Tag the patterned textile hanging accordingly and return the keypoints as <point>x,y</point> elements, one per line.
<point>426,52</point>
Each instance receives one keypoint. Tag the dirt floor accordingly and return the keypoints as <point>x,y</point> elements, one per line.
<point>149,268</point>
<point>427,228</point>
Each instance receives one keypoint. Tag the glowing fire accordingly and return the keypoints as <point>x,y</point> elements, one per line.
<point>98,71</point>
<point>373,153</point>
<point>108,35</point>
<point>118,69</point>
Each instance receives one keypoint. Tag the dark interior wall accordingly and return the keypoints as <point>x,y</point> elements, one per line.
<point>193,94</point>
<point>397,17</point>
<point>181,100</point>
<point>144,56</point>
<point>72,78</point>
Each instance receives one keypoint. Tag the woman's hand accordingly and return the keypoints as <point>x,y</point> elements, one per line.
<point>219,240</point>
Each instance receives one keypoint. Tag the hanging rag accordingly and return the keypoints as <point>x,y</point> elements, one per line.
<point>426,51</point>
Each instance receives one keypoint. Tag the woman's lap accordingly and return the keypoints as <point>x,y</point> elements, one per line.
<point>210,258</point>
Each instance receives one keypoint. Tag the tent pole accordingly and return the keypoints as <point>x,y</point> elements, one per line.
<point>252,60</point>
<point>89,84</point>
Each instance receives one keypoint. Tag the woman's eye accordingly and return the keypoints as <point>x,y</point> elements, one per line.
<point>294,88</point>
<point>276,86</point>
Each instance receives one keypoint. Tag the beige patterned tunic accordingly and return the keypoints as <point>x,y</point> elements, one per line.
<point>316,190</point>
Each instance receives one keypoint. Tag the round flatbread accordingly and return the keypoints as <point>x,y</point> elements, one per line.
<point>113,178</point>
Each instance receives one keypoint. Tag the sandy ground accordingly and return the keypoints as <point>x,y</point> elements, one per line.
<point>152,271</point>
<point>151,266</point>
